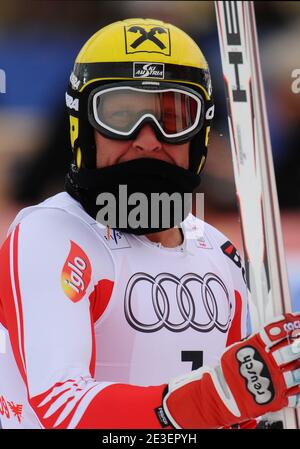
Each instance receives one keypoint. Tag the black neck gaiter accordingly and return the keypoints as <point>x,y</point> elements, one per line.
<point>141,196</point>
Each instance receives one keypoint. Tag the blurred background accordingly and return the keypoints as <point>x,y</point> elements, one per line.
<point>38,43</point>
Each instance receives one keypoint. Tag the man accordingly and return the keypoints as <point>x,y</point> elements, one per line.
<point>100,315</point>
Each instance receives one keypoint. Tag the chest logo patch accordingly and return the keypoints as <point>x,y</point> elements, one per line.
<point>76,273</point>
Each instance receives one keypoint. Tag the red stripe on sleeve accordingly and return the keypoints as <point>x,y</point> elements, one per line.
<point>99,300</point>
<point>235,331</point>
<point>121,406</point>
<point>5,287</point>
<point>17,287</point>
<point>2,317</point>
<point>100,297</point>
<point>8,284</point>
<point>51,405</point>
<point>93,355</point>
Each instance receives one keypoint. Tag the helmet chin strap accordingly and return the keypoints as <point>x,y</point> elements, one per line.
<point>124,196</point>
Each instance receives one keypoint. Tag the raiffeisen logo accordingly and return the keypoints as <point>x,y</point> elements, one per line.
<point>2,82</point>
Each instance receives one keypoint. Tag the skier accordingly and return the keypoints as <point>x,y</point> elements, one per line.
<point>135,321</point>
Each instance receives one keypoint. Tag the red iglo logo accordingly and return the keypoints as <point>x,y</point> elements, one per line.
<point>76,273</point>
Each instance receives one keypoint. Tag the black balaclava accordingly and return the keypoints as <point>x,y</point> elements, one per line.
<point>144,175</point>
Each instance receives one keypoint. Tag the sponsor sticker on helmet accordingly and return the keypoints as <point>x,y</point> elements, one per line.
<point>76,273</point>
<point>148,70</point>
<point>75,82</point>
<point>72,103</point>
<point>147,38</point>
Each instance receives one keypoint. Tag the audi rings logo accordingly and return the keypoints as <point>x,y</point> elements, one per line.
<point>186,303</point>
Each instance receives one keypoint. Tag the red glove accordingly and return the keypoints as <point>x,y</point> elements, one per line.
<point>258,375</point>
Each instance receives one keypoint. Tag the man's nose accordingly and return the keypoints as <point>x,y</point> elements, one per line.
<point>146,140</point>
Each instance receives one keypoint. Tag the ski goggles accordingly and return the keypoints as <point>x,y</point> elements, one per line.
<point>119,111</point>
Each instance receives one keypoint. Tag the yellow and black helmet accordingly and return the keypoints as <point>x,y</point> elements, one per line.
<point>136,51</point>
